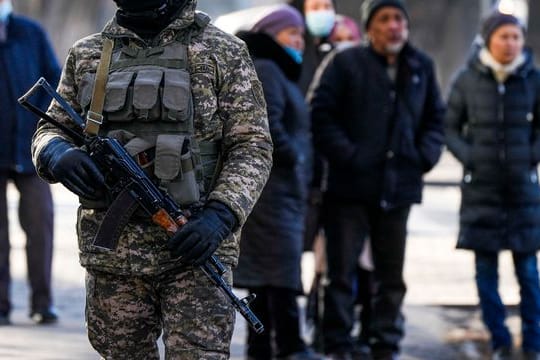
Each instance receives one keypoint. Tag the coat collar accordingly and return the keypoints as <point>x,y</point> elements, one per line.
<point>522,71</point>
<point>408,55</point>
<point>14,29</point>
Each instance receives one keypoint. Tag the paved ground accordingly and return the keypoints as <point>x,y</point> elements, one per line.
<point>442,321</point>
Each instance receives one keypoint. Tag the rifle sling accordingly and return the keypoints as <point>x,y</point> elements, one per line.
<point>94,118</point>
<point>116,219</point>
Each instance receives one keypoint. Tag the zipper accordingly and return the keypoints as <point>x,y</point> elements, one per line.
<point>501,89</point>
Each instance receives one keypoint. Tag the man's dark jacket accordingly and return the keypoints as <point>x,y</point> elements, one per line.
<point>379,137</point>
<point>24,58</point>
<point>494,131</point>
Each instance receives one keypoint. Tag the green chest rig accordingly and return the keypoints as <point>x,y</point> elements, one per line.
<point>142,96</point>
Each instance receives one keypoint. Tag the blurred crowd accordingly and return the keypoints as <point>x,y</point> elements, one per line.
<point>378,124</point>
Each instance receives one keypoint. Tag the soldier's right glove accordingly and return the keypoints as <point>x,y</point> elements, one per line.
<point>196,241</point>
<point>73,168</point>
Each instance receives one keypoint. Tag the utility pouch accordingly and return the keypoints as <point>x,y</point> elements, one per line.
<point>177,102</point>
<point>119,97</point>
<point>145,98</point>
<point>143,152</point>
<point>175,168</point>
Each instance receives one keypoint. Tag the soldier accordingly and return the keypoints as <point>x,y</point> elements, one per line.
<point>184,97</point>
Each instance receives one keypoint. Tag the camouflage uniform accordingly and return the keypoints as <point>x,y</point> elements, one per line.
<point>138,289</point>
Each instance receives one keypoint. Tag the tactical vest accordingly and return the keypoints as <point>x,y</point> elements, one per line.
<point>149,107</point>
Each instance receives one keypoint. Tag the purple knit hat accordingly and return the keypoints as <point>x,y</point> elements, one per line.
<point>278,19</point>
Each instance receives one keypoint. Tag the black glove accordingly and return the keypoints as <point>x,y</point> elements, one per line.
<point>196,241</point>
<point>74,169</point>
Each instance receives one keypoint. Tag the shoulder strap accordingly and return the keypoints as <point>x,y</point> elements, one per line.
<point>94,118</point>
<point>201,19</point>
<point>199,24</point>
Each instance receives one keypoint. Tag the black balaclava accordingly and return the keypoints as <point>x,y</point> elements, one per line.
<point>147,18</point>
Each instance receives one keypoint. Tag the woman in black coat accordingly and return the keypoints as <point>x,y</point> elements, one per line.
<point>271,242</point>
<point>493,129</point>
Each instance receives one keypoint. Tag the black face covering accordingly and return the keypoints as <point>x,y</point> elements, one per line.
<point>147,18</point>
<point>139,5</point>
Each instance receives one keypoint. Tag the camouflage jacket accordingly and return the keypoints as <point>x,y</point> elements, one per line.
<point>228,104</point>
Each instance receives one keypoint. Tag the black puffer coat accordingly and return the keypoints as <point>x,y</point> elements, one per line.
<point>494,131</point>
<point>271,242</point>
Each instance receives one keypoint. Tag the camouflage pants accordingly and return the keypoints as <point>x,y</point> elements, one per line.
<point>126,315</point>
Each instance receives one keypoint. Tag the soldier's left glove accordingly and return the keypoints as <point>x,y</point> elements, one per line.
<point>196,241</point>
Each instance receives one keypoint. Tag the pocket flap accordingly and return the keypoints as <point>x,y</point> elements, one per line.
<point>123,136</point>
<point>117,87</point>
<point>168,162</point>
<point>146,89</point>
<point>177,89</point>
<point>137,145</point>
<point>86,89</point>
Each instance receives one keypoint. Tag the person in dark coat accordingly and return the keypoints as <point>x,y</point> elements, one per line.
<point>345,33</point>
<point>320,17</point>
<point>271,242</point>
<point>25,55</point>
<point>493,129</point>
<point>378,119</point>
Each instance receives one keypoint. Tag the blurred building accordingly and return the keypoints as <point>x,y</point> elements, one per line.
<point>446,28</point>
<point>443,28</point>
<point>215,8</point>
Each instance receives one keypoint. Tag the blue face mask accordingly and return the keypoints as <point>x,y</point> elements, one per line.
<point>320,22</point>
<point>5,10</point>
<point>297,55</point>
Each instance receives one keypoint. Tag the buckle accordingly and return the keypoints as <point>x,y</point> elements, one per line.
<point>94,117</point>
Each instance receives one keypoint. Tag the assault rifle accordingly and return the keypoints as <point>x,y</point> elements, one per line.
<point>131,188</point>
